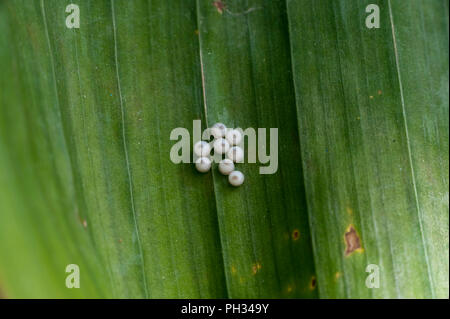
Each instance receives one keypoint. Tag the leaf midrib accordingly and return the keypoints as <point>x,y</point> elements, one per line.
<point>205,115</point>
<point>202,67</point>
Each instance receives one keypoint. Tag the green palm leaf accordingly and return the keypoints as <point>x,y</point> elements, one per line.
<point>86,178</point>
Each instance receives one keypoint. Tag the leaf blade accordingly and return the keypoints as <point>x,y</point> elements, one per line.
<point>361,152</point>
<point>245,54</point>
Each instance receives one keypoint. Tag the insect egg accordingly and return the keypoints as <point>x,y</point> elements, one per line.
<point>226,166</point>
<point>236,178</point>
<point>236,154</point>
<point>233,137</point>
<point>203,164</point>
<point>221,146</point>
<point>202,148</point>
<point>218,130</point>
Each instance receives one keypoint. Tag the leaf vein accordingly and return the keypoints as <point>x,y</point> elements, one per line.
<point>130,182</point>
<point>408,142</point>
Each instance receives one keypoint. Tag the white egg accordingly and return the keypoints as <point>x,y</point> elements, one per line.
<point>221,146</point>
<point>203,164</point>
<point>233,137</point>
<point>218,130</point>
<point>236,178</point>
<point>226,166</point>
<point>236,154</point>
<point>202,148</point>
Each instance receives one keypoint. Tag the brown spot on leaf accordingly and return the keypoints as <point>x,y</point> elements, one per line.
<point>352,241</point>
<point>379,92</point>
<point>84,223</point>
<point>255,268</point>
<point>313,283</point>
<point>220,6</point>
<point>295,234</point>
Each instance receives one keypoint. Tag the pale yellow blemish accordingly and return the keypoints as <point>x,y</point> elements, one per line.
<point>233,270</point>
<point>371,97</point>
<point>290,289</point>
<point>84,223</point>
<point>349,210</point>
<point>337,275</point>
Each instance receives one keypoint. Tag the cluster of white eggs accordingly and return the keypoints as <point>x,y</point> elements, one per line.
<point>225,142</point>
